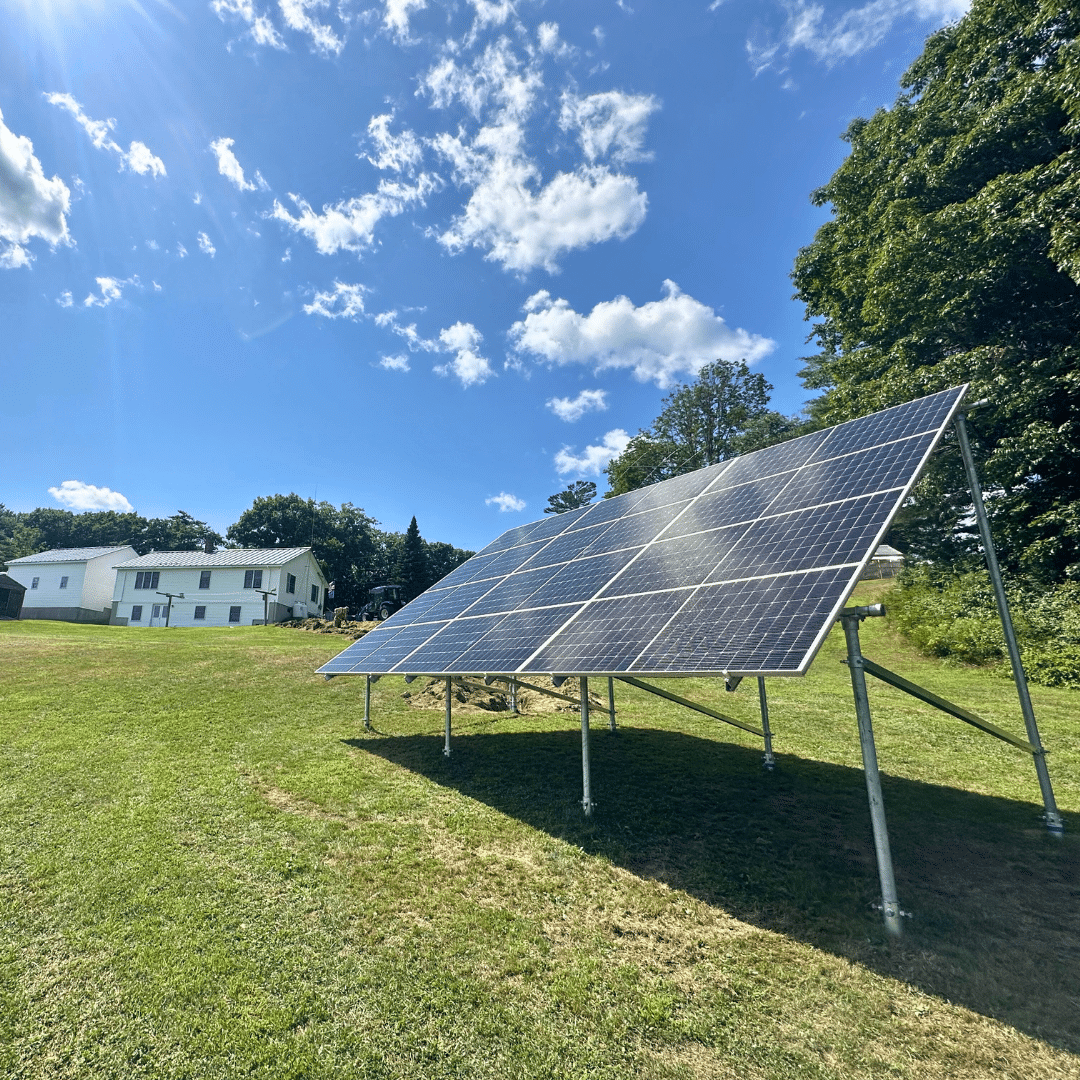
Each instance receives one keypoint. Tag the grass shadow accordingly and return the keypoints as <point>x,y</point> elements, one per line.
<point>995,901</point>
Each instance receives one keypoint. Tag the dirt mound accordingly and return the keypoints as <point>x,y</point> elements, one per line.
<point>473,696</point>
<point>352,630</point>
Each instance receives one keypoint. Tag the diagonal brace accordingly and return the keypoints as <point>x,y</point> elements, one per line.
<point>691,705</point>
<point>923,694</point>
<point>522,685</point>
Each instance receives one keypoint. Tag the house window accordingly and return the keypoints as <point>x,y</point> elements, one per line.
<point>147,579</point>
<point>290,583</point>
<point>204,580</point>
<point>34,583</point>
<point>252,579</point>
<point>234,612</point>
<point>63,582</point>
<point>314,594</point>
<point>136,613</point>
<point>200,611</point>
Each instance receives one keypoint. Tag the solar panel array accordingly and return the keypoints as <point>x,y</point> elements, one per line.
<point>739,568</point>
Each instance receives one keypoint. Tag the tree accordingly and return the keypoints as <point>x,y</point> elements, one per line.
<point>579,493</point>
<point>411,572</point>
<point>953,255</point>
<point>722,413</point>
<point>341,539</point>
<point>181,532</point>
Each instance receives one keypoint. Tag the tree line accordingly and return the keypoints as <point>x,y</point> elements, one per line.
<point>952,256</point>
<point>353,552</point>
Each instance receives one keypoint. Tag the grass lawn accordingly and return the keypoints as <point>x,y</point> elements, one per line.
<point>208,869</point>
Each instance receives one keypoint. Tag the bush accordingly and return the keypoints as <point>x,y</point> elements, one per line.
<point>955,616</point>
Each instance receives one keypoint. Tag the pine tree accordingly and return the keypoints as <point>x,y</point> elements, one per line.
<point>412,570</point>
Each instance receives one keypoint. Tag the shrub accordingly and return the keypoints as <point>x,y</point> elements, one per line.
<point>955,616</point>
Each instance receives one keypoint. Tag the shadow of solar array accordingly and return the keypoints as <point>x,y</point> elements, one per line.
<point>737,568</point>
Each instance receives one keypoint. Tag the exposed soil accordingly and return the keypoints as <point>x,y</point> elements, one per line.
<point>349,629</point>
<point>475,697</point>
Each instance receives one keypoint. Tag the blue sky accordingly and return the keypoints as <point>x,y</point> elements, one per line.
<point>428,257</point>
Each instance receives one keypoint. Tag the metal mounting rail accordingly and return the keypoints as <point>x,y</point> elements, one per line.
<point>691,705</point>
<point>931,698</point>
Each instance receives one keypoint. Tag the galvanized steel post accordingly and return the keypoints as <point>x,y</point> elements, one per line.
<point>513,695</point>
<point>769,762</point>
<point>367,702</point>
<point>586,800</point>
<point>446,744</point>
<point>611,701</point>
<point>1054,822</point>
<point>889,903</point>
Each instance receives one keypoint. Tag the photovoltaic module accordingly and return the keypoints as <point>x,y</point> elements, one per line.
<point>739,568</point>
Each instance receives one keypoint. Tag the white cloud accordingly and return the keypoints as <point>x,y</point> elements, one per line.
<point>138,157</point>
<point>463,339</point>
<point>399,153</point>
<point>297,17</point>
<point>571,409</point>
<point>287,256</point>
<point>611,124</point>
<point>855,31</point>
<point>110,290</point>
<point>395,363</point>
<point>496,78</point>
<point>547,36</point>
<point>593,458</point>
<point>231,169</point>
<point>140,160</point>
<point>350,225</point>
<point>396,17</point>
<point>14,256</point>
<point>492,14</point>
<point>64,299</point>
<point>343,302</point>
<point>205,245</point>
<point>506,502</point>
<point>30,205</point>
<point>79,496</point>
<point>262,30</point>
<point>524,225</point>
<point>411,335</point>
<point>661,340</point>
<point>181,251</point>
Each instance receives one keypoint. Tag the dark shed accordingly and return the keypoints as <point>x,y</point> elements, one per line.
<point>11,597</point>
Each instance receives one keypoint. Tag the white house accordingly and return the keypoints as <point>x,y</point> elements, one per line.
<point>222,589</point>
<point>72,584</point>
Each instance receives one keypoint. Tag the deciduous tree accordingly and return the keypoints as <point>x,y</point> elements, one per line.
<point>953,255</point>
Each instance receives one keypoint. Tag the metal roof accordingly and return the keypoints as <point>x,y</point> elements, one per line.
<point>81,554</point>
<point>10,583</point>
<point>246,557</point>
<point>884,551</point>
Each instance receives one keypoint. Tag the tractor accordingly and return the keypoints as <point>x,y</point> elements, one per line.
<point>383,601</point>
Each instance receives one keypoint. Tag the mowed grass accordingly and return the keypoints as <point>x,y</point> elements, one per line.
<point>208,869</point>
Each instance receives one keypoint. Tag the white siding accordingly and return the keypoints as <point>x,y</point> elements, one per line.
<point>100,578</point>
<point>48,594</point>
<point>226,591</point>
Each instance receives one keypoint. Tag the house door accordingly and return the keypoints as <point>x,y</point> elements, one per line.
<point>157,614</point>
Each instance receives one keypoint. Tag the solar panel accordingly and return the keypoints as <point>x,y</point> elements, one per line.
<point>739,568</point>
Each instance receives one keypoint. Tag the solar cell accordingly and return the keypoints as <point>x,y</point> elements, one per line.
<point>736,568</point>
